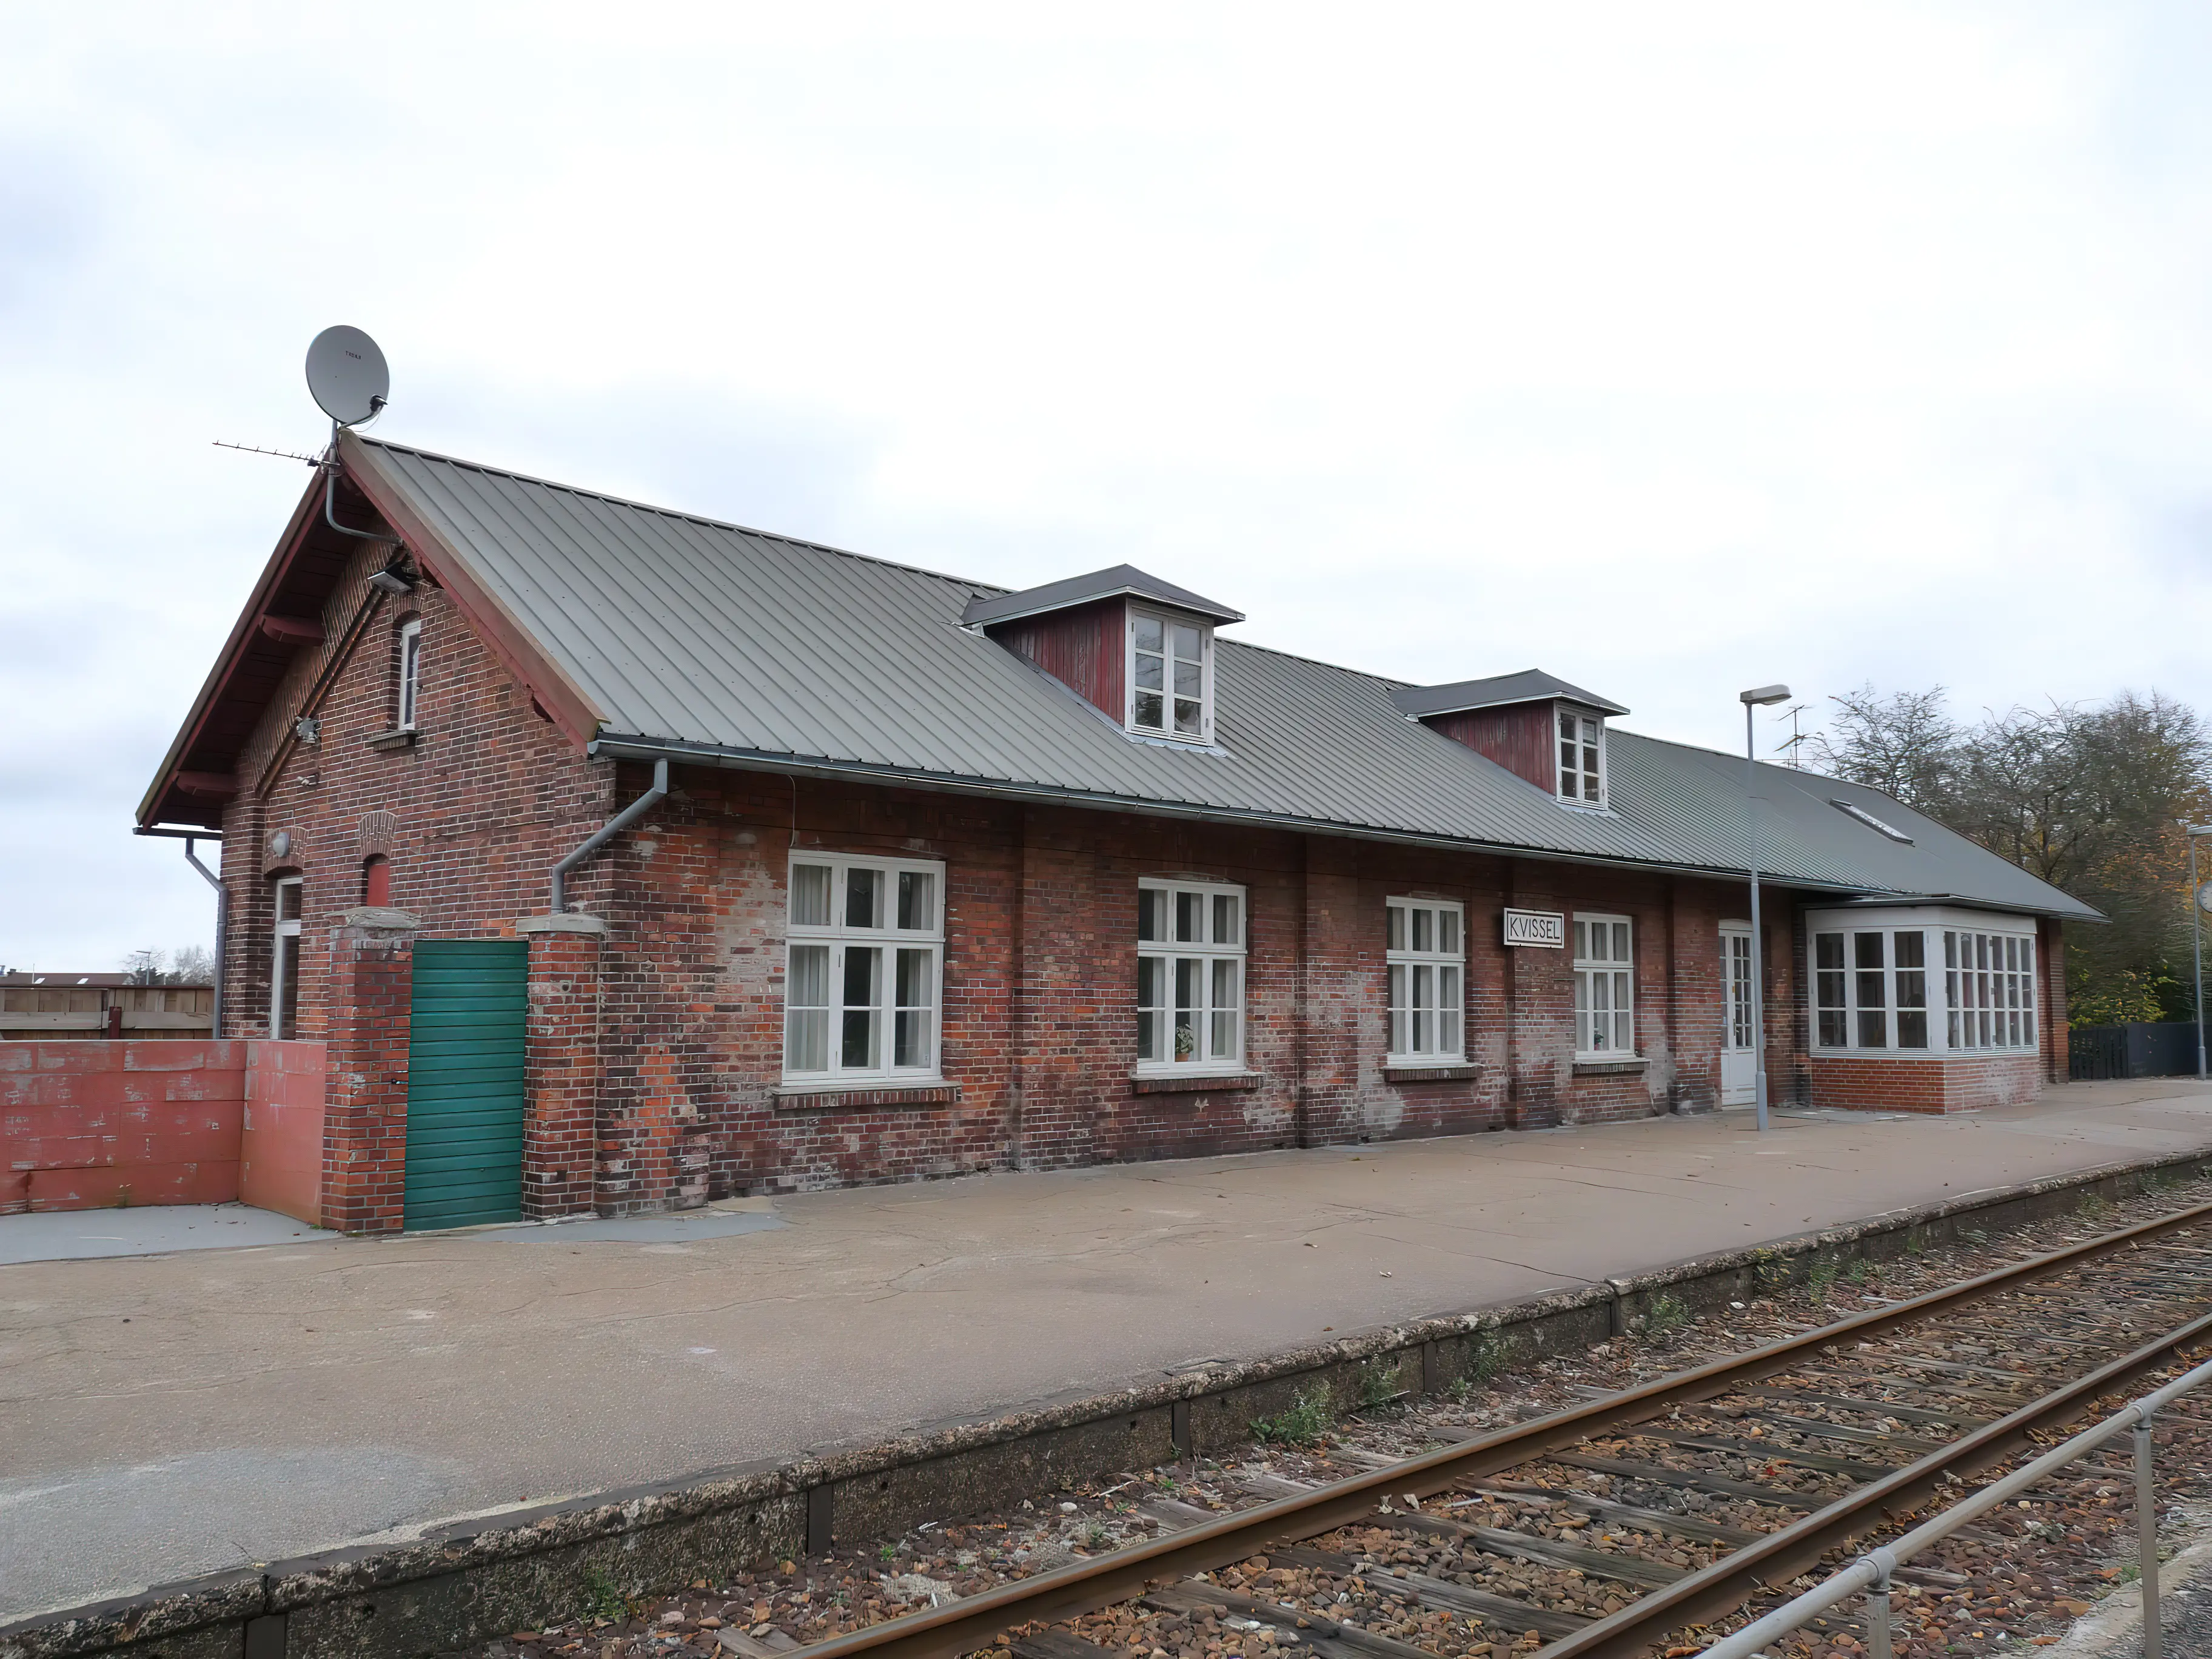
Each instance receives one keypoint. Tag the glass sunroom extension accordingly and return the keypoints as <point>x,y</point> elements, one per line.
<point>1922,980</point>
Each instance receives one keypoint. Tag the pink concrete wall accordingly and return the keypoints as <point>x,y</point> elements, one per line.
<point>281,1148</point>
<point>89,1125</point>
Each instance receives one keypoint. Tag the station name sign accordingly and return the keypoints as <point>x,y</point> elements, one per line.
<point>1544,928</point>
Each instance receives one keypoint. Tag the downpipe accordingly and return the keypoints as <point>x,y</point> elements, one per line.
<point>607,831</point>
<point>221,930</point>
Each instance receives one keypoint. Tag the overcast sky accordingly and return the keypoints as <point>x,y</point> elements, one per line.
<point>1672,349</point>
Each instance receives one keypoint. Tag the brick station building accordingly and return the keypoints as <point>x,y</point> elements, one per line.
<point>913,876</point>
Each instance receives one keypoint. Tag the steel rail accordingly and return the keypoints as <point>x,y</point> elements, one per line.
<point>961,1627</point>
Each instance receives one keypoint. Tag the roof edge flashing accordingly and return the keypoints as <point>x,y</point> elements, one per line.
<point>1497,692</point>
<point>1115,582</point>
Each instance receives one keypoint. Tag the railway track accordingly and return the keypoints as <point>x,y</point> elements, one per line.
<point>1599,1530</point>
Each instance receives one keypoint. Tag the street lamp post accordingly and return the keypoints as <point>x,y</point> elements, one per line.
<point>1758,697</point>
<point>2197,935</point>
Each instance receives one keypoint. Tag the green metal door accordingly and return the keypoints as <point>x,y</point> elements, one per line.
<point>465,1082</point>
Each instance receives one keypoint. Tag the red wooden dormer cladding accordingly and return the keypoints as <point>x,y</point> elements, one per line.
<point>1521,737</point>
<point>1084,648</point>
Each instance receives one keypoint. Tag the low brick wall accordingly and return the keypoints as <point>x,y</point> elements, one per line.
<point>94,1124</point>
<point>280,1165</point>
<point>1924,1082</point>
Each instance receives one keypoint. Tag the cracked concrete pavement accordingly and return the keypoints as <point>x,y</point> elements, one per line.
<point>166,1415</point>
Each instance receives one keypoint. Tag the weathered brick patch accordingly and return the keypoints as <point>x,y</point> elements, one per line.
<point>464,1583</point>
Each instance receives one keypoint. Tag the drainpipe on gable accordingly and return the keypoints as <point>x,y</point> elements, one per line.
<point>222,932</point>
<point>607,831</point>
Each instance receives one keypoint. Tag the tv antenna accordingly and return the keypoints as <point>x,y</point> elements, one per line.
<point>1790,746</point>
<point>258,449</point>
<point>350,383</point>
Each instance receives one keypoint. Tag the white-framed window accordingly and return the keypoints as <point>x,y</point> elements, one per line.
<point>862,983</point>
<point>411,672</point>
<point>1920,980</point>
<point>1170,671</point>
<point>1605,987</point>
<point>1582,758</point>
<point>1870,989</point>
<point>1988,984</point>
<point>1190,975</point>
<point>289,894</point>
<point>1426,968</point>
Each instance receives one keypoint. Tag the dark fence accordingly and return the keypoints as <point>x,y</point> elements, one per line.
<point>2165,1049</point>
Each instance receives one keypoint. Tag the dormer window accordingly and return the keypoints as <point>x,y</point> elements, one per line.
<point>1582,758</point>
<point>1170,675</point>
<point>1137,649</point>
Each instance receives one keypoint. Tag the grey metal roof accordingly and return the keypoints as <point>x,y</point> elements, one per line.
<point>1109,583</point>
<point>691,635</point>
<point>1529,685</point>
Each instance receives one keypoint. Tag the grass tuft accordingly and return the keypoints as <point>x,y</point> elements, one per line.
<point>1303,1422</point>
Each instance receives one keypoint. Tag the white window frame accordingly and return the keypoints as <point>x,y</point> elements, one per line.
<point>281,930</point>
<point>1162,978</point>
<point>1990,1003</point>
<point>1586,725</point>
<point>1959,1000</point>
<point>1425,981</point>
<point>1588,970</point>
<point>411,674</point>
<point>887,1000</point>
<point>1169,622</point>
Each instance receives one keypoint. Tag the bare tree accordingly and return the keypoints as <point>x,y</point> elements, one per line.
<point>2085,797</point>
<point>1903,745</point>
<point>189,964</point>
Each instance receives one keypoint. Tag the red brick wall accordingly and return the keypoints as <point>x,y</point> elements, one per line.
<point>91,1124</point>
<point>1933,1083</point>
<point>472,817</point>
<point>656,1048</point>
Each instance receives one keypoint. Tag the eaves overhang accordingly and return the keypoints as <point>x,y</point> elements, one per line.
<point>159,804</point>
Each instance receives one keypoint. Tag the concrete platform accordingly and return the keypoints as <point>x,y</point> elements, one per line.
<point>168,1415</point>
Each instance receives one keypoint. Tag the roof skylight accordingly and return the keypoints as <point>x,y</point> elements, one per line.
<point>1852,811</point>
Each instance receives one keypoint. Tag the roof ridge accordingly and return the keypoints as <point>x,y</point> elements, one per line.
<point>678,513</point>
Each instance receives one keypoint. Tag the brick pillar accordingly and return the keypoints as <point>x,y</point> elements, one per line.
<point>1533,977</point>
<point>560,1135</point>
<point>371,993</point>
<point>1337,994</point>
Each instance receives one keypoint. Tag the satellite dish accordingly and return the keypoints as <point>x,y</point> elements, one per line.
<point>347,376</point>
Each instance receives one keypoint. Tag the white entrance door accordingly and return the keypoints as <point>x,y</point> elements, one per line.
<point>1736,1081</point>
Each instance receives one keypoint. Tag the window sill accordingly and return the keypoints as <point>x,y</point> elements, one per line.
<point>1611,1067</point>
<point>865,1096</point>
<point>1414,1071</point>
<point>1925,1053</point>
<point>1190,1082</point>
<point>386,740</point>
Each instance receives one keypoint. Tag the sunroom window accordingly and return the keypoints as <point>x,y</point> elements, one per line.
<point>1881,987</point>
<point>1171,677</point>
<point>866,947</point>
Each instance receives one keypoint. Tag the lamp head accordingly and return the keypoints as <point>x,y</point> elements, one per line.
<point>1761,695</point>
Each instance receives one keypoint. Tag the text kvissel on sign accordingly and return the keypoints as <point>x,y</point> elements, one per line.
<point>1546,929</point>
